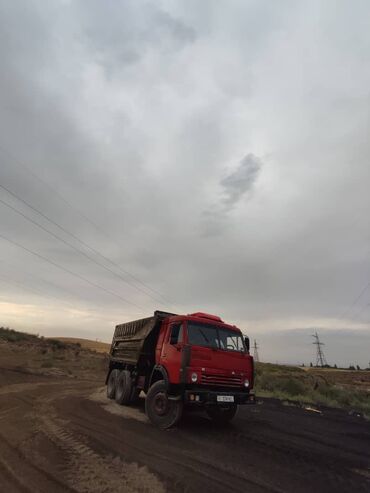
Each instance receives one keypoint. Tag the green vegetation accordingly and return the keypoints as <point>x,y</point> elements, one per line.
<point>56,344</point>
<point>306,387</point>
<point>11,335</point>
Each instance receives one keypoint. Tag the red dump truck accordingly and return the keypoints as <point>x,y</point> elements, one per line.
<point>192,360</point>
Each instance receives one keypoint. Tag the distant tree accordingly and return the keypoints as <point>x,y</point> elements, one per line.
<point>358,367</point>
<point>303,365</point>
<point>351,367</point>
<point>311,365</point>
<point>335,366</point>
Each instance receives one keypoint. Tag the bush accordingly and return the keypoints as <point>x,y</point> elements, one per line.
<point>291,386</point>
<point>287,385</point>
<point>11,335</point>
<point>56,344</point>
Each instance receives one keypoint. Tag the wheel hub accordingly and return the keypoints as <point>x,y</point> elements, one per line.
<point>161,404</point>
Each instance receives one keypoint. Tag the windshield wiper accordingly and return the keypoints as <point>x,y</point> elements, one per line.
<point>201,331</point>
<point>207,340</point>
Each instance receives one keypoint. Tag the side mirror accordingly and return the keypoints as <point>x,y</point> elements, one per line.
<point>246,342</point>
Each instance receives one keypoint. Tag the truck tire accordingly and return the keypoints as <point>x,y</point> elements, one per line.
<point>161,411</point>
<point>220,414</point>
<point>111,384</point>
<point>123,388</point>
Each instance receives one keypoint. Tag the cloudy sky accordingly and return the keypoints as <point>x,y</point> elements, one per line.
<point>187,156</point>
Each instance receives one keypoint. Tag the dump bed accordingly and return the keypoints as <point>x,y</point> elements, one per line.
<point>133,339</point>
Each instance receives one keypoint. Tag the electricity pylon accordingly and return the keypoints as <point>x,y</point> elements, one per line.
<point>320,356</point>
<point>255,352</point>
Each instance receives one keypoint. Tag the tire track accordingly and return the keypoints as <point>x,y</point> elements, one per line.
<point>23,474</point>
<point>88,472</point>
<point>188,464</point>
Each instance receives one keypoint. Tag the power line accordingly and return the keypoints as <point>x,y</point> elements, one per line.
<point>356,315</point>
<point>112,293</point>
<point>50,285</point>
<point>62,240</point>
<point>73,236</point>
<point>53,189</point>
<point>31,290</point>
<point>357,298</point>
<point>58,194</point>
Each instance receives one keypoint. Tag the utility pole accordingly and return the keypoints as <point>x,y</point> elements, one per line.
<point>320,356</point>
<point>255,352</point>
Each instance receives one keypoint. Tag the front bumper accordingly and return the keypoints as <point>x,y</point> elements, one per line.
<point>209,397</point>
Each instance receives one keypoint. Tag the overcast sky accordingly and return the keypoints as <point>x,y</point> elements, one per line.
<point>215,153</point>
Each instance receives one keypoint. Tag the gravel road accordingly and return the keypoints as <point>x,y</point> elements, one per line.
<point>62,434</point>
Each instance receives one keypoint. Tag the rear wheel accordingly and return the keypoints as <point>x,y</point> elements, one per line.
<point>222,414</point>
<point>123,388</point>
<point>111,384</point>
<point>162,411</point>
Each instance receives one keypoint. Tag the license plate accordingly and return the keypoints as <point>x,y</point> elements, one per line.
<point>225,398</point>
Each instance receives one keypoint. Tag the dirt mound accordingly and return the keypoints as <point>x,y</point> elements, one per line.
<point>31,354</point>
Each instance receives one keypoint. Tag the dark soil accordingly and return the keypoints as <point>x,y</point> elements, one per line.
<point>60,434</point>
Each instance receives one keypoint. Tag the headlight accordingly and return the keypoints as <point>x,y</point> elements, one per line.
<point>246,383</point>
<point>194,377</point>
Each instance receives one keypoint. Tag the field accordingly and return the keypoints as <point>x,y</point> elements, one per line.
<point>59,432</point>
<point>345,389</point>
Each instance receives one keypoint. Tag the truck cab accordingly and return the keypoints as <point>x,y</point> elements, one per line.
<point>206,360</point>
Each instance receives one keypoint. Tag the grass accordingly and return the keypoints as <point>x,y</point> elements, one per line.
<point>46,344</point>
<point>294,384</point>
<point>99,347</point>
<point>11,335</point>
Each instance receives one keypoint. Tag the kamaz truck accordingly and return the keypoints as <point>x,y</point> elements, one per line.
<point>192,361</point>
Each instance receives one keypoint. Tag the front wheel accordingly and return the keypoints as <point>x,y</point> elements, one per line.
<point>222,414</point>
<point>161,411</point>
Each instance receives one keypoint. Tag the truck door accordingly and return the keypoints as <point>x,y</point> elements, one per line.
<point>171,353</point>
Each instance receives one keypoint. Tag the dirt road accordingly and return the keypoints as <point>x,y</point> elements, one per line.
<point>61,434</point>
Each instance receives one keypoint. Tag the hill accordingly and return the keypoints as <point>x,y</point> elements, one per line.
<point>35,355</point>
<point>99,347</point>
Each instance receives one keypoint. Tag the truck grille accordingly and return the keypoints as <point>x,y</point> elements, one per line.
<point>224,380</point>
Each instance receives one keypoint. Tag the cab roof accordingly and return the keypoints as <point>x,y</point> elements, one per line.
<point>206,318</point>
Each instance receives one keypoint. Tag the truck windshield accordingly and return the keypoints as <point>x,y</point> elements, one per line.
<point>208,335</point>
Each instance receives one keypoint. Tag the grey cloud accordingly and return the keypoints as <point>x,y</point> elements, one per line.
<point>241,180</point>
<point>133,112</point>
<point>233,188</point>
<point>130,31</point>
